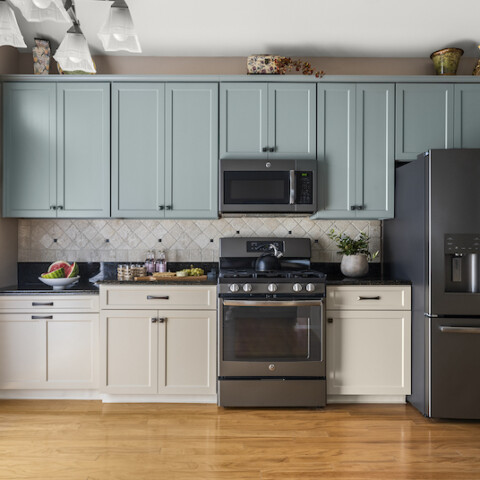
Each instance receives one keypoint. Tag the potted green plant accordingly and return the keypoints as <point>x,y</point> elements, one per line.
<point>356,254</point>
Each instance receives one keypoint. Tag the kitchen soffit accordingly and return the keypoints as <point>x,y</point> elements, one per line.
<point>348,28</point>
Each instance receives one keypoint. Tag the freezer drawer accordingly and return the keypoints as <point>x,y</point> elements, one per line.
<point>455,367</point>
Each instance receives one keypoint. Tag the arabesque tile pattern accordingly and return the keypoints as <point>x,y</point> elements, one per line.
<point>184,240</point>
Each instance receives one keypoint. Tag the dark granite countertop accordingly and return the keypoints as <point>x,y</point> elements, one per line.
<point>76,289</point>
<point>152,283</point>
<point>341,280</point>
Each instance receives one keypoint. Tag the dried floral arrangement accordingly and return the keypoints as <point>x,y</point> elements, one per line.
<point>287,64</point>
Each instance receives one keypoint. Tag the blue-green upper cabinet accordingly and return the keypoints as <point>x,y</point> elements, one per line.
<point>138,150</point>
<point>83,150</point>
<point>243,120</point>
<point>375,162</point>
<point>191,146</point>
<point>268,120</point>
<point>336,150</point>
<point>29,149</point>
<point>424,118</point>
<point>467,116</point>
<point>292,121</point>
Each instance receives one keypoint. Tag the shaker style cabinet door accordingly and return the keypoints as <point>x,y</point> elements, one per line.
<point>138,150</point>
<point>292,121</point>
<point>83,150</point>
<point>424,118</point>
<point>336,150</point>
<point>191,146</point>
<point>375,162</point>
<point>29,150</point>
<point>467,116</point>
<point>244,120</point>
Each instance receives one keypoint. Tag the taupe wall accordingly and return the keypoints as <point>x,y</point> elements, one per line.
<point>8,227</point>
<point>237,65</point>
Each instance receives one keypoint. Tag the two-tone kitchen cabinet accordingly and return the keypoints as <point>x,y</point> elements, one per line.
<point>165,150</point>
<point>158,340</point>
<point>436,116</point>
<point>355,145</point>
<point>267,120</point>
<point>56,140</point>
<point>368,338</point>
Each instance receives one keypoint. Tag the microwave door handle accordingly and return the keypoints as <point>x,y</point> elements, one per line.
<point>293,192</point>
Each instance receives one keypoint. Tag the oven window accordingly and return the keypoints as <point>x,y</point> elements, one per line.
<point>271,334</point>
<point>257,187</point>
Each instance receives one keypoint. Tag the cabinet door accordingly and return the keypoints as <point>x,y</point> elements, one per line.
<point>292,121</point>
<point>467,116</point>
<point>368,352</point>
<point>336,150</point>
<point>424,119</point>
<point>191,169</point>
<point>72,341</point>
<point>243,120</point>
<point>187,361</point>
<point>375,162</point>
<point>128,352</point>
<point>23,353</point>
<point>83,150</point>
<point>138,150</point>
<point>29,149</point>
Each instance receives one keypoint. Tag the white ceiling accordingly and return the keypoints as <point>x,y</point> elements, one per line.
<point>332,28</point>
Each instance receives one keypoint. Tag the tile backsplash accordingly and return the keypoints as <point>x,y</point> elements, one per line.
<point>183,240</point>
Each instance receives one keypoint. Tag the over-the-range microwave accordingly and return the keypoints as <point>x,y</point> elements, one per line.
<point>268,186</point>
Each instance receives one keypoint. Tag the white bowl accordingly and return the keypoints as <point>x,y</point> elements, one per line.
<point>59,283</point>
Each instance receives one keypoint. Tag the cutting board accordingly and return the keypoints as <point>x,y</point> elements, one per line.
<point>151,278</point>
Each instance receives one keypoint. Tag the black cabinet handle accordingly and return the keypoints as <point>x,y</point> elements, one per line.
<point>153,297</point>
<point>42,304</point>
<point>60,207</point>
<point>265,149</point>
<point>42,317</point>
<point>53,207</point>
<point>353,207</point>
<point>369,298</point>
<point>161,207</point>
<point>271,149</point>
<point>169,207</point>
<point>161,319</point>
<point>330,320</point>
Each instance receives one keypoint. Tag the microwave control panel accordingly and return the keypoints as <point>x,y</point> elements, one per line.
<point>304,181</point>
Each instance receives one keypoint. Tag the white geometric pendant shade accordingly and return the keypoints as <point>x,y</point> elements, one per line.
<point>118,32</point>
<point>73,54</point>
<point>40,10</point>
<point>9,32</point>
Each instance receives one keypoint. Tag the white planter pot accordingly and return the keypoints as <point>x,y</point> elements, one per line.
<point>354,265</point>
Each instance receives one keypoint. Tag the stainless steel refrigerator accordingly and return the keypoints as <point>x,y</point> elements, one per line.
<point>434,241</point>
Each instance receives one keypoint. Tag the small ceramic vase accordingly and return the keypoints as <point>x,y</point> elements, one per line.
<point>354,265</point>
<point>446,61</point>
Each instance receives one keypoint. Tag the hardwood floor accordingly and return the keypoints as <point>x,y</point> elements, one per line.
<point>90,440</point>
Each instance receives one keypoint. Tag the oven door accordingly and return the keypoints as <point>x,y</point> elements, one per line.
<point>271,338</point>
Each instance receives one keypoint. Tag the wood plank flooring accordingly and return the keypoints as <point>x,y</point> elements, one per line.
<point>88,440</point>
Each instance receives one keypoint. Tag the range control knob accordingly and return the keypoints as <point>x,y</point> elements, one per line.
<point>234,287</point>
<point>310,287</point>
<point>247,288</point>
<point>272,287</point>
<point>297,287</point>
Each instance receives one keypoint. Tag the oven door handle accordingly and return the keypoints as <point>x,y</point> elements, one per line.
<point>293,192</point>
<point>272,303</point>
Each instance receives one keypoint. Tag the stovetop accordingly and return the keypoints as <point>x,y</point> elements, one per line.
<point>229,274</point>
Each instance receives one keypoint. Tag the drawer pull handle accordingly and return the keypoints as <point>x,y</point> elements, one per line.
<point>369,298</point>
<point>161,320</point>
<point>153,297</point>
<point>42,317</point>
<point>330,320</point>
<point>460,329</point>
<point>153,320</point>
<point>42,304</point>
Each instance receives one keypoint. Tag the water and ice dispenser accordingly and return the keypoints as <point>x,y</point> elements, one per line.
<point>462,267</point>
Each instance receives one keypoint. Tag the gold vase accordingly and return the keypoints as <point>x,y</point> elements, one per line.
<point>446,60</point>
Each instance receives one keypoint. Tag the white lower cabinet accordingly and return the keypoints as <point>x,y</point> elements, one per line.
<point>368,351</point>
<point>43,350</point>
<point>164,352</point>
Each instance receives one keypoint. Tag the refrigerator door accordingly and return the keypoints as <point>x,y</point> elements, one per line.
<point>454,232</point>
<point>455,367</point>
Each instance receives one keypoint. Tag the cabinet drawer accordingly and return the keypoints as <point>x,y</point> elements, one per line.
<point>159,297</point>
<point>369,298</point>
<point>51,303</point>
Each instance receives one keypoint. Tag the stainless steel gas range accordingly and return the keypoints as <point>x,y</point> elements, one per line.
<point>271,324</point>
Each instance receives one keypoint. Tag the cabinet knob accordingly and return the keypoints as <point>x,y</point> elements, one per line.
<point>60,207</point>
<point>153,320</point>
<point>265,149</point>
<point>53,207</point>
<point>169,207</point>
<point>329,320</point>
<point>161,207</point>
<point>353,207</point>
<point>271,149</point>
<point>161,319</point>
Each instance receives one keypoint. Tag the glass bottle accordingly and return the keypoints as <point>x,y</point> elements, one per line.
<point>161,263</point>
<point>150,262</point>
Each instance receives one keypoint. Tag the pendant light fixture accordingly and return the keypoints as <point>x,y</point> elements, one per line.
<point>118,32</point>
<point>9,32</point>
<point>73,53</point>
<point>40,10</point>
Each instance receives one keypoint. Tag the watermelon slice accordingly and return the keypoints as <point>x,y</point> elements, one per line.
<point>57,273</point>
<point>57,266</point>
<point>72,270</point>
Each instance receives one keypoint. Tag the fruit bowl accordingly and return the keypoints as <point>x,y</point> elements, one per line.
<point>59,283</point>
